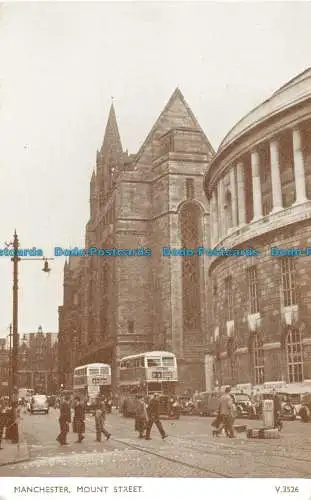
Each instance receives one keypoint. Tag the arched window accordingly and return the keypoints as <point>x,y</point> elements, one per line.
<point>258,360</point>
<point>228,210</point>
<point>190,225</point>
<point>294,355</point>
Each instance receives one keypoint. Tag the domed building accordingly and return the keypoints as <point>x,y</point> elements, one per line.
<point>259,188</point>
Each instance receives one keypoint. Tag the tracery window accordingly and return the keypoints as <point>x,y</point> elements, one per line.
<point>253,289</point>
<point>288,282</point>
<point>294,351</point>
<point>190,225</point>
<point>104,305</point>
<point>259,364</point>
<point>228,298</point>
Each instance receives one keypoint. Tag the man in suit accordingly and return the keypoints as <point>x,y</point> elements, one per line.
<point>277,407</point>
<point>153,411</point>
<point>225,412</point>
<point>64,420</point>
<point>78,419</point>
<point>100,420</point>
<point>141,417</point>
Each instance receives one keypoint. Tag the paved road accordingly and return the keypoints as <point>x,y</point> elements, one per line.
<point>189,451</point>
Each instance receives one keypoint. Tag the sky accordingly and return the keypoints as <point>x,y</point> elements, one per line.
<point>60,66</point>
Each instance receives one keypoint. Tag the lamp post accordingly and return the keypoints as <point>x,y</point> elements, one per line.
<point>10,361</point>
<point>14,354</point>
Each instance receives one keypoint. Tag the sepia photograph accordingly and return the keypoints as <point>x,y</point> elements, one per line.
<point>155,245</point>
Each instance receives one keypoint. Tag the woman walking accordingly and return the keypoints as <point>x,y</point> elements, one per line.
<point>141,417</point>
<point>78,419</point>
<point>100,419</point>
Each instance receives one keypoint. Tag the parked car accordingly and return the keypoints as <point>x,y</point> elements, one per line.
<point>39,404</point>
<point>305,410</point>
<point>207,404</point>
<point>244,405</point>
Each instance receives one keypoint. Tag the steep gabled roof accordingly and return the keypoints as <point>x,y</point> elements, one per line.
<point>189,117</point>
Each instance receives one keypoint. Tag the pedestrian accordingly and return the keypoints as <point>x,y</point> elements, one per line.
<point>78,419</point>
<point>277,407</point>
<point>100,420</point>
<point>231,419</point>
<point>153,412</point>
<point>64,420</point>
<point>3,419</point>
<point>225,414</point>
<point>141,416</point>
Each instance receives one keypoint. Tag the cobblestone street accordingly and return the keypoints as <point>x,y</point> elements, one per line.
<point>189,451</point>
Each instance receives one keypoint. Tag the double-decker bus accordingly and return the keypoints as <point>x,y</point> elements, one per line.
<point>91,381</point>
<point>147,373</point>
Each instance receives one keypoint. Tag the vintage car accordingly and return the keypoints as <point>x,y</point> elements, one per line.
<point>39,404</point>
<point>207,404</point>
<point>305,410</point>
<point>245,408</point>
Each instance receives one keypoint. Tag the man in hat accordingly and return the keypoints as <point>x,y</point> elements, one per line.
<point>141,417</point>
<point>225,412</point>
<point>154,417</point>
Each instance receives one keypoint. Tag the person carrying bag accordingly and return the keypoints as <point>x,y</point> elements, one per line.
<point>78,420</point>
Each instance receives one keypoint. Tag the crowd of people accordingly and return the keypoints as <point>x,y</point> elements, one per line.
<point>78,421</point>
<point>72,412</point>
<point>147,414</point>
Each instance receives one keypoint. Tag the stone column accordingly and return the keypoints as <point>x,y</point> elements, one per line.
<point>219,211</point>
<point>214,222</point>
<point>299,169</point>
<point>241,193</point>
<point>221,218</point>
<point>275,176</point>
<point>233,197</point>
<point>257,199</point>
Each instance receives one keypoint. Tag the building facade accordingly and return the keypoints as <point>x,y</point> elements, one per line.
<point>122,305</point>
<point>37,361</point>
<point>259,189</point>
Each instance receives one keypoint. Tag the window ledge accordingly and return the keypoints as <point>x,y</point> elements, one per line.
<point>253,321</point>
<point>290,314</point>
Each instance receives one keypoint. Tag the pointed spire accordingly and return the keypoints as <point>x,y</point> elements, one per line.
<point>93,178</point>
<point>112,142</point>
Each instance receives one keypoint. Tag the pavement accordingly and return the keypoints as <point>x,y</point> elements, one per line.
<point>13,453</point>
<point>189,451</point>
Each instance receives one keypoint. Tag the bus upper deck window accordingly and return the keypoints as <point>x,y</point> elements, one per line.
<point>94,371</point>
<point>168,361</point>
<point>154,362</point>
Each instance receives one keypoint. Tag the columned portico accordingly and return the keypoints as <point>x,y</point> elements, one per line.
<point>275,177</point>
<point>257,198</point>
<point>241,193</point>
<point>299,169</point>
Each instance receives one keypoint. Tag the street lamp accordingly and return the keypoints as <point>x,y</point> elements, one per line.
<point>14,355</point>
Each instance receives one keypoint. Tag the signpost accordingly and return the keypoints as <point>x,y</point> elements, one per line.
<point>268,413</point>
